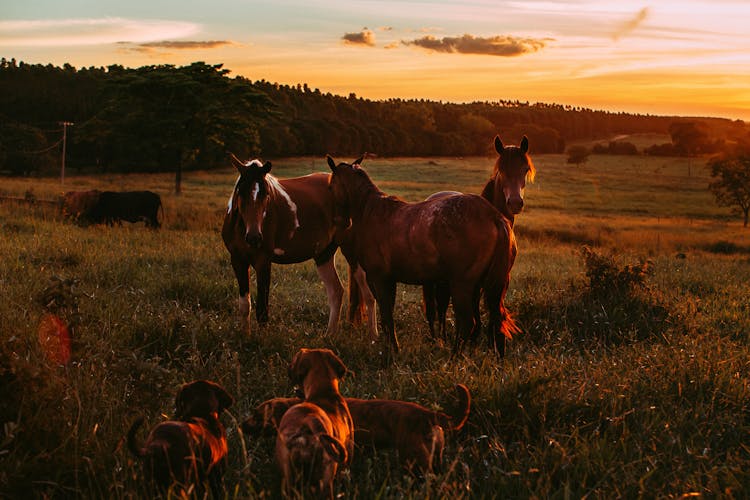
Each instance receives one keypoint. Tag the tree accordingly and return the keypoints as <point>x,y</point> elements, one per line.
<point>171,117</point>
<point>690,138</point>
<point>578,155</point>
<point>731,186</point>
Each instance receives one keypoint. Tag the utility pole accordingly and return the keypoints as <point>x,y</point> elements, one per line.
<point>65,126</point>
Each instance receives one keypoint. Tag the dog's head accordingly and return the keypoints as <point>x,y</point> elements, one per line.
<point>202,399</point>
<point>321,360</point>
<point>267,415</point>
<point>315,458</point>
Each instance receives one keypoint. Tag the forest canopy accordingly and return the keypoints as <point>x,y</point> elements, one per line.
<point>162,118</point>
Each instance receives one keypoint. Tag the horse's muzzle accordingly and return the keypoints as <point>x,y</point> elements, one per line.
<point>515,205</point>
<point>254,240</point>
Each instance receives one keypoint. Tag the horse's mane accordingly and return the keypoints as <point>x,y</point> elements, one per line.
<point>363,182</point>
<point>516,151</point>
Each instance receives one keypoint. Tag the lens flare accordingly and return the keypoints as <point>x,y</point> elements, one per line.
<point>54,339</point>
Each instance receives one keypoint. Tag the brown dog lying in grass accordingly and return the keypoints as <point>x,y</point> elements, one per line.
<point>415,431</point>
<point>190,449</point>
<point>315,436</point>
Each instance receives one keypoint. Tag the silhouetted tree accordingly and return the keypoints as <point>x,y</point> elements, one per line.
<point>731,186</point>
<point>690,138</point>
<point>182,113</point>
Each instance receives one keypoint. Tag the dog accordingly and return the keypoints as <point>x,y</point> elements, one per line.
<point>418,433</point>
<point>316,436</point>
<point>415,431</point>
<point>190,449</point>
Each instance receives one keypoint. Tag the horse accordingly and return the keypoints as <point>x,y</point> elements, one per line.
<point>280,221</point>
<point>505,190</point>
<point>460,240</point>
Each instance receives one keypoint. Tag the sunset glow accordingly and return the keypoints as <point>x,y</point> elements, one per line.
<point>679,58</point>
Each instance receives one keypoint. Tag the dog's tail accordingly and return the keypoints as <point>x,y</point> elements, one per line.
<point>133,446</point>
<point>456,420</point>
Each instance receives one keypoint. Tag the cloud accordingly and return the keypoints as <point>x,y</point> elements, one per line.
<point>627,27</point>
<point>185,45</point>
<point>159,47</point>
<point>364,37</point>
<point>90,31</point>
<point>468,44</point>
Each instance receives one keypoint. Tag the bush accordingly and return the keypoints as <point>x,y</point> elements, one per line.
<point>606,278</point>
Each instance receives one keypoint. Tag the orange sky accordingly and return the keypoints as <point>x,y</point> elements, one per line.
<point>683,57</point>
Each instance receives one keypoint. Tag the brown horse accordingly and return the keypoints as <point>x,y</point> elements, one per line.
<point>505,190</point>
<point>283,222</point>
<point>461,240</point>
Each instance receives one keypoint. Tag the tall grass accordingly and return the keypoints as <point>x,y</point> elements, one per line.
<point>611,391</point>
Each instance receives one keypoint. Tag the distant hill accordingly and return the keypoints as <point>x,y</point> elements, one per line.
<point>158,117</point>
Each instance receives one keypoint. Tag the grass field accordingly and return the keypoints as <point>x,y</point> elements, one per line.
<point>623,384</point>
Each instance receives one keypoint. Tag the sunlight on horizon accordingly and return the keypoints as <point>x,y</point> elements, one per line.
<point>676,58</point>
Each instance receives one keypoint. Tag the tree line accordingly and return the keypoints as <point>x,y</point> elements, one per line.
<point>167,118</point>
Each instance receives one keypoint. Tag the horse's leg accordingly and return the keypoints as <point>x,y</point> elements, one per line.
<point>463,309</point>
<point>355,314</point>
<point>385,294</point>
<point>476,331</point>
<point>368,299</point>
<point>334,291</point>
<point>443,296</point>
<point>263,277</point>
<point>241,269</point>
<point>428,299</point>
<point>493,302</point>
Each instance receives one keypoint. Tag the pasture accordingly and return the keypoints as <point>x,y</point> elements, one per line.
<point>623,384</point>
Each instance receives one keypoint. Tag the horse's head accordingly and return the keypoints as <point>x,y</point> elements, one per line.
<point>250,197</point>
<point>341,180</point>
<point>512,168</point>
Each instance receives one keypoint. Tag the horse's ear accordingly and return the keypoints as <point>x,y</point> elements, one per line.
<point>525,145</point>
<point>331,163</point>
<point>237,163</point>
<point>359,160</point>
<point>266,168</point>
<point>498,145</point>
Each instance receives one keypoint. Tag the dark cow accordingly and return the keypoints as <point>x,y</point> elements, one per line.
<point>130,206</point>
<point>80,205</point>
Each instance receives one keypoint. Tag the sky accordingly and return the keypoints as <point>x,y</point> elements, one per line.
<point>665,57</point>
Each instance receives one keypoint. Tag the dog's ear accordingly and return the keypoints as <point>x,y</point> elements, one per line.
<point>299,367</point>
<point>223,397</point>
<point>181,404</point>
<point>338,366</point>
<point>333,448</point>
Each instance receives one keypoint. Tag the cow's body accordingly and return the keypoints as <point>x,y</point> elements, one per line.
<point>130,206</point>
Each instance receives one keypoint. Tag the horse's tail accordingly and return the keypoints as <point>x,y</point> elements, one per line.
<point>456,420</point>
<point>497,278</point>
<point>133,445</point>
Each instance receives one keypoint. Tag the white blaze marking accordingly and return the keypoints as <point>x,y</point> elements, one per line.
<point>256,190</point>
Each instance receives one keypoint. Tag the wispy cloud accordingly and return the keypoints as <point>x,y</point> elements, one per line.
<point>167,45</point>
<point>364,37</point>
<point>91,31</point>
<point>631,24</point>
<point>187,45</point>
<point>507,46</point>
